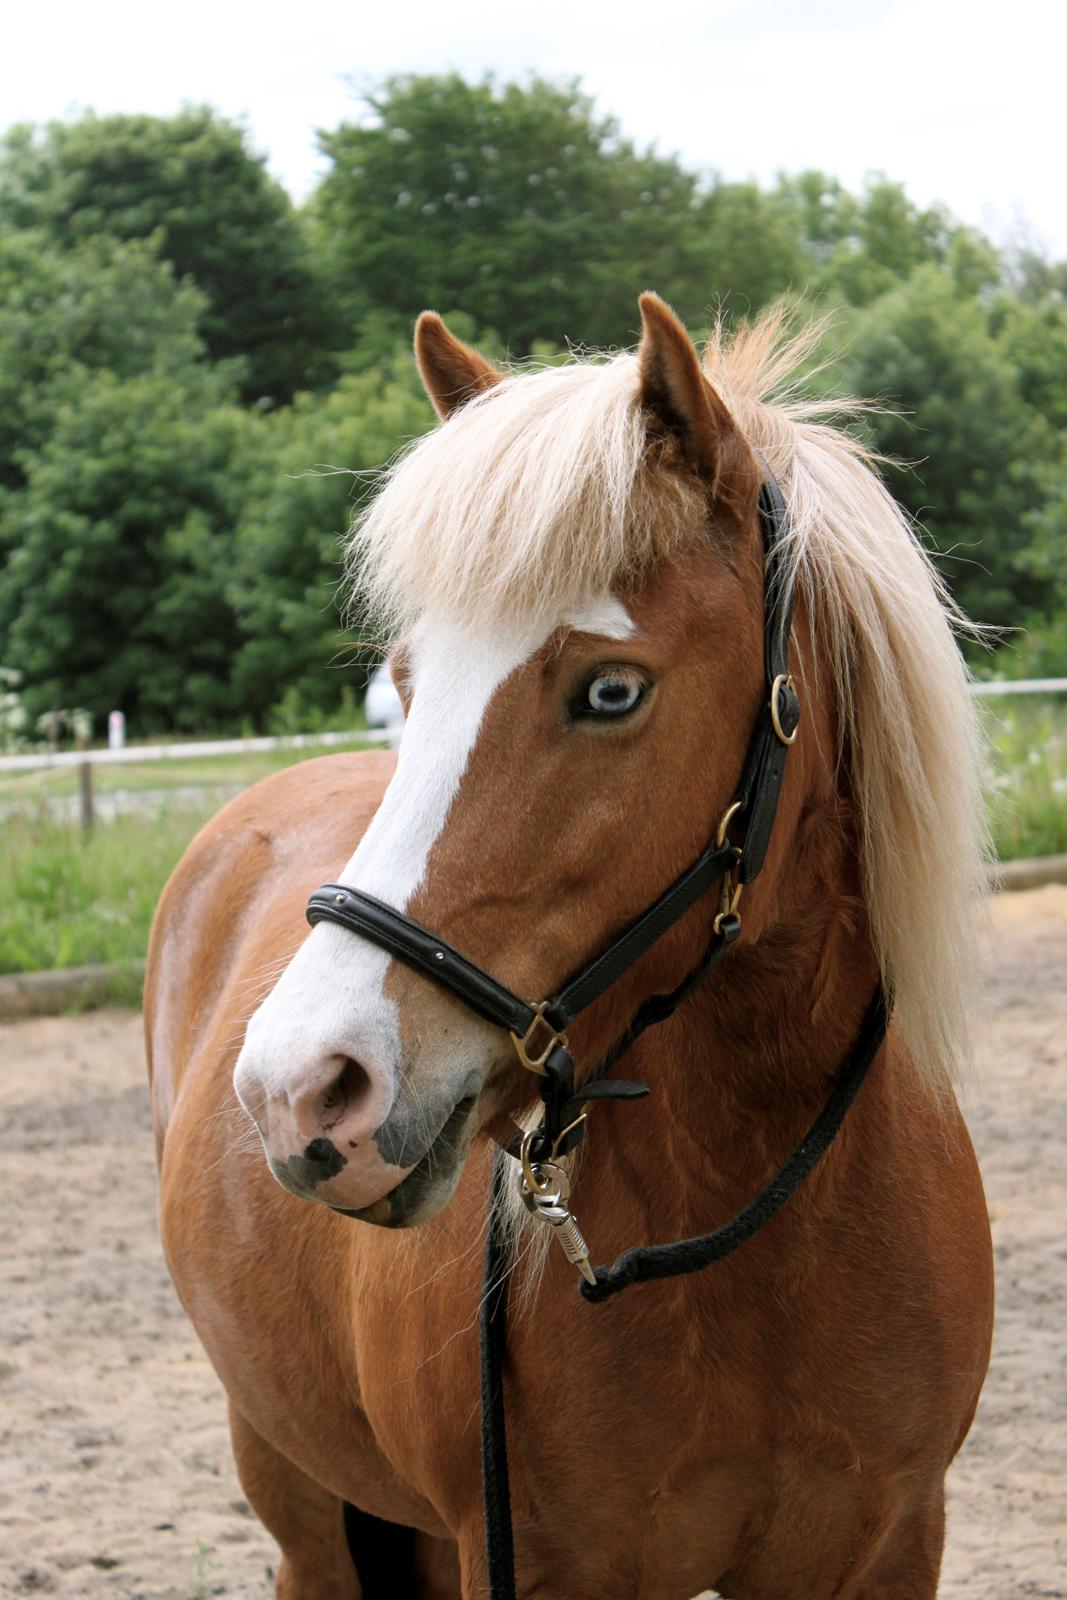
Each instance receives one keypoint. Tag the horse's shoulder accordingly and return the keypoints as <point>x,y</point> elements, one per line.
<point>323,804</point>
<point>344,786</point>
<point>356,776</point>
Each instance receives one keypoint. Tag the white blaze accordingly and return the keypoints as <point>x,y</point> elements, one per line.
<point>330,1000</point>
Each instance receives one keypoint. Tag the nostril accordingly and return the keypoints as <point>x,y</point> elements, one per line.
<point>351,1085</point>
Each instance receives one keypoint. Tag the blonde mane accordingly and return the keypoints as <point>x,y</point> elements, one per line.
<point>543,494</point>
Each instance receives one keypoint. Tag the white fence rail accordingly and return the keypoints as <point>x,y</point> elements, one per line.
<point>185,752</point>
<point>1022,686</point>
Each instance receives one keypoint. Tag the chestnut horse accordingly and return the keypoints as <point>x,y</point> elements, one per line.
<point>573,569</point>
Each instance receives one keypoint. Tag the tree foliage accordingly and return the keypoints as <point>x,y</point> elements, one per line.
<point>197,380</point>
<point>63,314</point>
<point>119,546</point>
<point>306,473</point>
<point>955,413</point>
<point>191,183</point>
<point>517,204</point>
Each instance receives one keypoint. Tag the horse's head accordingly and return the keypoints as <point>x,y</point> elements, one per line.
<point>575,565</point>
<point>573,732</point>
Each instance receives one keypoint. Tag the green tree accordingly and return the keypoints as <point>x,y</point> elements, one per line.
<point>119,549</point>
<point>1033,336</point>
<point>752,247</point>
<point>305,472</point>
<point>192,182</point>
<point>957,414</point>
<point>859,247</point>
<point>513,202</point>
<point>102,305</point>
<point>1032,333</point>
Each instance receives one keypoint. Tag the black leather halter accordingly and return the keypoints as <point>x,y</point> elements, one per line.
<point>539,1029</point>
<point>733,858</point>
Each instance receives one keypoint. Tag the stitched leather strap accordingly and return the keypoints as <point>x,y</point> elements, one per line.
<point>777,585</point>
<point>597,978</point>
<point>431,955</point>
<point>417,947</point>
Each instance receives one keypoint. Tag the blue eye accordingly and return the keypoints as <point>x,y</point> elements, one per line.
<point>614,693</point>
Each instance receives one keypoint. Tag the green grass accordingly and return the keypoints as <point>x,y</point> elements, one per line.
<point>67,901</point>
<point>1027,777</point>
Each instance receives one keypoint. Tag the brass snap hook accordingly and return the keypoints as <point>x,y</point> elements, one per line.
<point>543,1180</point>
<point>728,903</point>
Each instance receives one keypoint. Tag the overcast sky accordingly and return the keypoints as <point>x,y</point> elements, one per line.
<point>962,102</point>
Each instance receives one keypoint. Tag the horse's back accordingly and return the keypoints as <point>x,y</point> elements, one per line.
<point>232,912</point>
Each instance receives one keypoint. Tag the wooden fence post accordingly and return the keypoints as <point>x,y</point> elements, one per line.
<point>85,778</point>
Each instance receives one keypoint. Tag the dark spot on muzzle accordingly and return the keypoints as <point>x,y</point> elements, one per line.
<point>321,1160</point>
<point>437,1168</point>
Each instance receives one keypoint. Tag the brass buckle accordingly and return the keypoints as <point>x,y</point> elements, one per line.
<point>525,1050</point>
<point>731,892</point>
<point>784,679</point>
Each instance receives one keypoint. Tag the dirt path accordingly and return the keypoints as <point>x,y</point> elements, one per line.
<point>115,1473</point>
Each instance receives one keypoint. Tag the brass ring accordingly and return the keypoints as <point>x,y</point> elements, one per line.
<point>785,679</point>
<point>582,1117</point>
<point>727,818</point>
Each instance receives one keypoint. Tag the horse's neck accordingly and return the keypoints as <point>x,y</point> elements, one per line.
<point>741,1070</point>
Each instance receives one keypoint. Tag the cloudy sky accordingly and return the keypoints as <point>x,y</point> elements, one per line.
<point>963,102</point>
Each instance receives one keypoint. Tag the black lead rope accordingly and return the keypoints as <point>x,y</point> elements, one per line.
<point>693,1255</point>
<point>641,1265</point>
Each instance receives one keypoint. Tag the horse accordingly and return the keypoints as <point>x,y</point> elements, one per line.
<point>572,568</point>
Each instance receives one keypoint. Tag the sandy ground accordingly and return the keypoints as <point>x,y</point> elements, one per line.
<point>115,1471</point>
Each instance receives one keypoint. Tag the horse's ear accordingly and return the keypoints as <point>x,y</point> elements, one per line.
<point>451,371</point>
<point>675,391</point>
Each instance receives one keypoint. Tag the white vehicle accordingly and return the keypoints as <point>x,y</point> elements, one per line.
<point>381,704</point>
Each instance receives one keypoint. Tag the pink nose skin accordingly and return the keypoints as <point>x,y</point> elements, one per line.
<point>346,1109</point>
<point>320,1140</point>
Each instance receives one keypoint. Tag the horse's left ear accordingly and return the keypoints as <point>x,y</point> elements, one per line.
<point>452,373</point>
<point>675,391</point>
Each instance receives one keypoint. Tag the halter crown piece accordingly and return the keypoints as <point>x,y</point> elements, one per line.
<point>733,858</point>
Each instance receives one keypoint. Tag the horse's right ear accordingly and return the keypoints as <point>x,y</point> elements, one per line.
<point>452,373</point>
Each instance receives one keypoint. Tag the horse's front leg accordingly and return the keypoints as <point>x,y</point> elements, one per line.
<point>908,1563</point>
<point>306,1520</point>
